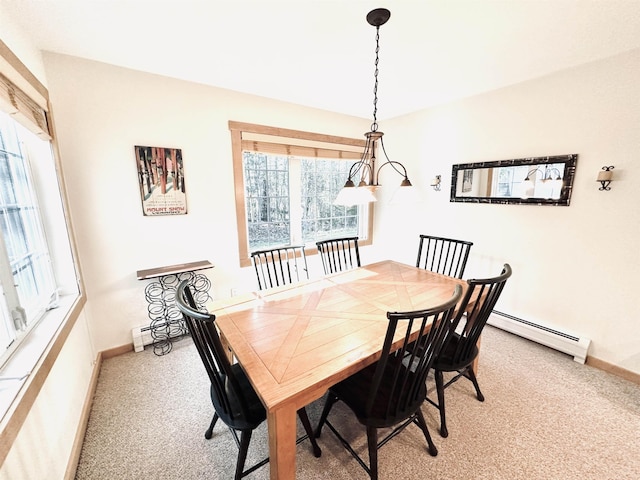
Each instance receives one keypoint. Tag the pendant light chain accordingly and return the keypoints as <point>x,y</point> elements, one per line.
<point>374,125</point>
<point>366,169</point>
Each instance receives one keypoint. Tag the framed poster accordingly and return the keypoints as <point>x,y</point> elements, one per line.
<point>161,180</point>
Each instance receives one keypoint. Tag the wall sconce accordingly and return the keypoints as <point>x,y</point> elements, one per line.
<point>605,177</point>
<point>435,183</point>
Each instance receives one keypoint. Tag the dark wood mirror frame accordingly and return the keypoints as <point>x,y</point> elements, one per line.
<point>465,173</point>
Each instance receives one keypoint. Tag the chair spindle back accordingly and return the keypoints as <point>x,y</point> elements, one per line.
<point>399,379</point>
<point>472,320</point>
<point>443,255</point>
<point>339,254</point>
<point>280,266</point>
<point>225,389</point>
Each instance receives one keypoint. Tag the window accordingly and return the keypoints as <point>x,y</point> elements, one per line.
<point>26,274</point>
<point>36,261</point>
<point>321,180</point>
<point>504,184</point>
<point>267,199</point>
<point>286,182</point>
<point>36,255</point>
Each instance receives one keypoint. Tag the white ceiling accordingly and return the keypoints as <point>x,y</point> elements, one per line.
<point>320,53</point>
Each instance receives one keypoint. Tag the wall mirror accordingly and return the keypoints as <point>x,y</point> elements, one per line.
<point>536,181</point>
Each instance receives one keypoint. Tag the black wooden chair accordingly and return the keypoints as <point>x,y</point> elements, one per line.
<point>461,348</point>
<point>443,255</point>
<point>339,254</point>
<point>389,393</point>
<point>234,399</point>
<point>280,266</point>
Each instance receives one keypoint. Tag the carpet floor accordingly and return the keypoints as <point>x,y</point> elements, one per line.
<point>544,417</point>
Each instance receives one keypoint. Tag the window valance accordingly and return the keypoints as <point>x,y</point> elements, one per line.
<point>23,109</point>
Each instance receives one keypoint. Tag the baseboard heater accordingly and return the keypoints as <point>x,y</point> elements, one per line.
<point>561,341</point>
<point>142,335</point>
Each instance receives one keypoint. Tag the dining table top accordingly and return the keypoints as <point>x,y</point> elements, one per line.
<point>296,341</point>
<point>293,337</point>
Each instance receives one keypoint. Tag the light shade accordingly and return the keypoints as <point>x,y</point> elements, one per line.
<point>352,195</point>
<point>605,177</point>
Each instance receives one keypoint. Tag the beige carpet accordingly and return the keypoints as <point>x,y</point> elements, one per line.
<point>544,417</point>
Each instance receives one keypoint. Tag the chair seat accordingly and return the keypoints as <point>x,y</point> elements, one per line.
<point>445,361</point>
<point>255,414</point>
<point>354,392</point>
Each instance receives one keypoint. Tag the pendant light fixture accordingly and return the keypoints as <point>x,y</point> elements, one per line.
<point>549,185</point>
<point>364,171</point>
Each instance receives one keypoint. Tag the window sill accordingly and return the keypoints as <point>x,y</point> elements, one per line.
<point>23,375</point>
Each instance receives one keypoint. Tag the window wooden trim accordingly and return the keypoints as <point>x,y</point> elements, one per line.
<point>18,411</point>
<point>22,95</point>
<point>250,132</point>
<point>22,76</point>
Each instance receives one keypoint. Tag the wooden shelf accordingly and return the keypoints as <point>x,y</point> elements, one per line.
<point>173,269</point>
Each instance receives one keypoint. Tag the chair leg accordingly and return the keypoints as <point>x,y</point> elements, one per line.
<point>331,399</point>
<point>440,388</point>
<point>472,376</point>
<point>304,418</point>
<point>433,451</point>
<point>372,442</point>
<point>209,433</point>
<point>245,438</point>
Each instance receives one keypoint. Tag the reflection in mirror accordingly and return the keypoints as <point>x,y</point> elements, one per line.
<point>539,181</point>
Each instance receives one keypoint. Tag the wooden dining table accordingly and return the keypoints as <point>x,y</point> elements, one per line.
<point>296,341</point>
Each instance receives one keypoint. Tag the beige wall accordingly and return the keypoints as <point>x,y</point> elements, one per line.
<point>101,112</point>
<point>575,268</point>
<point>573,265</point>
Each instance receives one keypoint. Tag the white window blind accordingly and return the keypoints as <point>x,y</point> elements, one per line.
<point>23,109</point>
